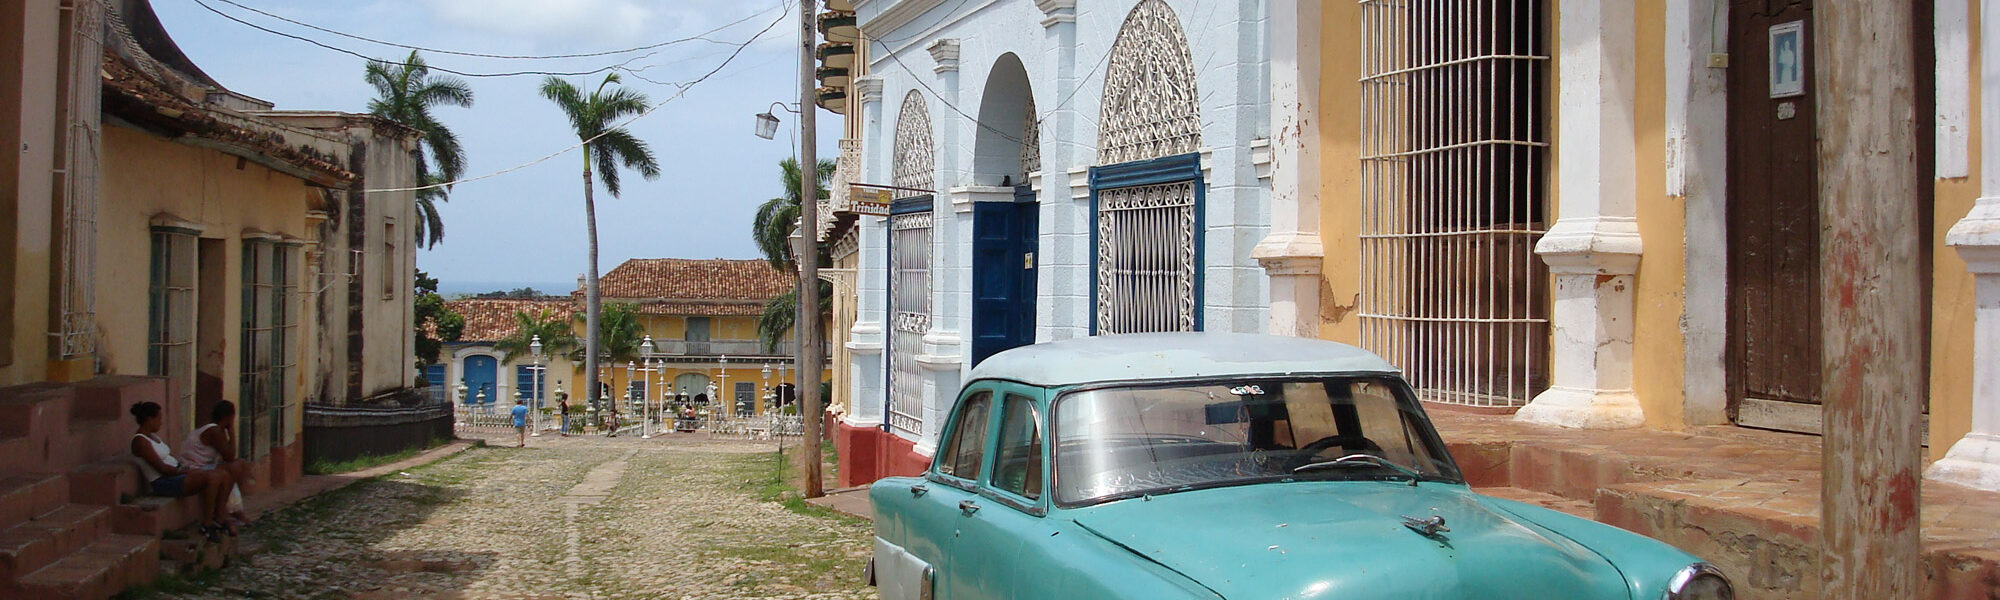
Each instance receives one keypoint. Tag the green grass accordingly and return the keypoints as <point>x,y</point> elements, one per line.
<point>320,467</point>
<point>769,477</point>
<point>173,584</point>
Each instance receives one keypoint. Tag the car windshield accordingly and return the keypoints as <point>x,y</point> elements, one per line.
<point>1125,441</point>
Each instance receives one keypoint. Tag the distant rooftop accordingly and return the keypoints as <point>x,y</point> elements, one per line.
<point>1151,356</point>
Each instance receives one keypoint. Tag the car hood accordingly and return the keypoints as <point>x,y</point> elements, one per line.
<point>1347,540</point>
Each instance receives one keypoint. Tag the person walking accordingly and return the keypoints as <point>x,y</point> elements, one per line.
<point>520,423</point>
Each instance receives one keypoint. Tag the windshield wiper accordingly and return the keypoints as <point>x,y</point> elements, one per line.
<point>1363,460</point>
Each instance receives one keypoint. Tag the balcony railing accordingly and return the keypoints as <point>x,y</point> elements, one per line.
<point>721,348</point>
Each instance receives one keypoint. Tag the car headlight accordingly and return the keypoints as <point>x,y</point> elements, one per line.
<point>1699,581</point>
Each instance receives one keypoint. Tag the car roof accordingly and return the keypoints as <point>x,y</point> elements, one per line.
<point>1151,356</point>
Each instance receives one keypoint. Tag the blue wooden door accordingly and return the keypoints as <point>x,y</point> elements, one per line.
<point>1004,240</point>
<point>480,374</point>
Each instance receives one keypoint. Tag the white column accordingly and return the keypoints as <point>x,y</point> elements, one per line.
<point>865,338</point>
<point>1593,249</point>
<point>1975,460</point>
<point>1291,253</point>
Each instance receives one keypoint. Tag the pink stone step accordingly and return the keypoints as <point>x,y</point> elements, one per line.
<point>32,545</point>
<point>105,482</point>
<point>99,571</point>
<point>25,497</point>
<point>152,515</point>
<point>110,397</point>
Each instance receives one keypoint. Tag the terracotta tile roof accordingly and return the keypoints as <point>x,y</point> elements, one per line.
<point>674,281</point>
<point>703,309</point>
<point>492,320</point>
<point>134,96</point>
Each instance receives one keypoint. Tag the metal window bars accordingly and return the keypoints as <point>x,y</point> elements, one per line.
<point>1146,261</point>
<point>1455,172</point>
<point>171,317</point>
<point>910,284</point>
<point>75,327</point>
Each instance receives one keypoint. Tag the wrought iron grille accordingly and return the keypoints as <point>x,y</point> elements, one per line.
<point>74,331</point>
<point>269,330</point>
<point>1455,171</point>
<point>171,317</point>
<point>1150,107</point>
<point>910,284</point>
<point>1146,258</point>
<point>916,156</point>
<point>1031,142</point>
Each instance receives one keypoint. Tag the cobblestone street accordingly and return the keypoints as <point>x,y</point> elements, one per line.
<point>565,518</point>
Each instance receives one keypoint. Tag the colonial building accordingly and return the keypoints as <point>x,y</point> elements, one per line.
<point>1057,169</point>
<point>1607,215</point>
<point>165,239</point>
<point>701,316</point>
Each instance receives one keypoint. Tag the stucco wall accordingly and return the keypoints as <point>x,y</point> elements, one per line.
<point>29,33</point>
<point>1952,301</point>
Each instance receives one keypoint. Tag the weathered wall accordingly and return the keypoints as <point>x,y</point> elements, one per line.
<point>1657,364</point>
<point>1340,130</point>
<point>1952,287</point>
<point>28,39</point>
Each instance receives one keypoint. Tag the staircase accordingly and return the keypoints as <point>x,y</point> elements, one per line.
<point>72,521</point>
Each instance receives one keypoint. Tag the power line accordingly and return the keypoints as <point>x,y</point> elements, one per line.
<point>1041,120</point>
<point>703,38</point>
<point>677,95</point>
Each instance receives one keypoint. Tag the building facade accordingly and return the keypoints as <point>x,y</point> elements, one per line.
<point>1054,169</point>
<point>701,316</point>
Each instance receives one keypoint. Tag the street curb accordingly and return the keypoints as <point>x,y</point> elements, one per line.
<point>314,485</point>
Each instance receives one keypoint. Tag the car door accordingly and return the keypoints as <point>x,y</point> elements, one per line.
<point>995,534</point>
<point>952,491</point>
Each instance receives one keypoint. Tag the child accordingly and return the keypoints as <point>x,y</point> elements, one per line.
<point>165,476</point>
<point>520,423</point>
<point>213,446</point>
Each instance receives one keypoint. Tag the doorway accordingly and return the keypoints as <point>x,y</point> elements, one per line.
<point>1004,239</point>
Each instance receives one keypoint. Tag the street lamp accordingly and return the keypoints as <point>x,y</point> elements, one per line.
<point>768,394</point>
<point>730,402</point>
<point>535,379</point>
<point>646,417</point>
<point>767,123</point>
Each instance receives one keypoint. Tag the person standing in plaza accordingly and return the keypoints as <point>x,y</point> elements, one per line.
<point>562,406</point>
<point>520,423</point>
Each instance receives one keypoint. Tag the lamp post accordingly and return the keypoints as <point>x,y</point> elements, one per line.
<point>535,379</point>
<point>729,402</point>
<point>646,419</point>
<point>769,392</point>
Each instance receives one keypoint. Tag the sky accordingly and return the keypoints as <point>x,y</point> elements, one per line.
<point>527,226</point>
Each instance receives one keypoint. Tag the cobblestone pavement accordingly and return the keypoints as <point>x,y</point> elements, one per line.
<point>565,518</point>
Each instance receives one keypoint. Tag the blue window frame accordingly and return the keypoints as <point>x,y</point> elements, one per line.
<point>434,382</point>
<point>527,386</point>
<point>1173,187</point>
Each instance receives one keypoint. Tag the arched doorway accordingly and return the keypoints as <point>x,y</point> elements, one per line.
<point>1146,190</point>
<point>910,262</point>
<point>1005,229</point>
<point>481,373</point>
<point>691,387</point>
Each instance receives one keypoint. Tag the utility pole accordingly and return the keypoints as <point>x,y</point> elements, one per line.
<point>809,354</point>
<point>1871,545</point>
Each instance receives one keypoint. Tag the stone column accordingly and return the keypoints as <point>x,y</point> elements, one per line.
<point>865,339</point>
<point>1975,460</point>
<point>1061,305</point>
<point>1593,249</point>
<point>1291,254</point>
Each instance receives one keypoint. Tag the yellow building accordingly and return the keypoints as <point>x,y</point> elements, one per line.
<point>701,316</point>
<point>164,239</point>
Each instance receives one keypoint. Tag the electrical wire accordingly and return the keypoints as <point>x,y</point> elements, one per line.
<point>607,131</point>
<point>1041,120</point>
<point>699,38</point>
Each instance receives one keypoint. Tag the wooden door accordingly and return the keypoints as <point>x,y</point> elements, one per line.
<point>1004,240</point>
<point>1774,313</point>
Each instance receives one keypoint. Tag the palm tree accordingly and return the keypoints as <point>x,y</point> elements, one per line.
<point>405,93</point>
<point>776,219</point>
<point>605,147</point>
<point>557,335</point>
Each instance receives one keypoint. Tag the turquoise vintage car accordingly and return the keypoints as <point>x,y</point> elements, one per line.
<point>1203,465</point>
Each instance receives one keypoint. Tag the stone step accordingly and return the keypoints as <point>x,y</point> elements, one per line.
<point>110,397</point>
<point>32,545</point>
<point>153,515</point>
<point>25,497</point>
<point>33,419</point>
<point>105,482</point>
<point>1572,507</point>
<point>99,571</point>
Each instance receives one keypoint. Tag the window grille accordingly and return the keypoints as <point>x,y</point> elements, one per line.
<point>1146,258</point>
<point>910,266</point>
<point>634,390</point>
<point>434,382</point>
<point>746,399</point>
<point>1146,233</point>
<point>76,180</point>
<point>1455,184</point>
<point>1031,143</point>
<point>171,317</point>
<point>527,385</point>
<point>391,264</point>
<point>269,329</point>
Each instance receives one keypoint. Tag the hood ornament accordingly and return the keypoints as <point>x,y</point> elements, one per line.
<point>1430,527</point>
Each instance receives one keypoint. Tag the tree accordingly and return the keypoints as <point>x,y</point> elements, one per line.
<point>604,147</point>
<point>558,337</point>
<point>525,293</point>
<point>776,219</point>
<point>619,332</point>
<point>405,93</point>
<point>437,323</point>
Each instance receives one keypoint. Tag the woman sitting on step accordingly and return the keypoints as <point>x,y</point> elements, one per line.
<point>212,447</point>
<point>165,476</point>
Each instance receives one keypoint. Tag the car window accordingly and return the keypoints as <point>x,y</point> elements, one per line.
<point>1122,441</point>
<point>1017,466</point>
<point>961,455</point>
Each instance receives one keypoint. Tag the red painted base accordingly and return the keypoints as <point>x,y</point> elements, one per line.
<point>869,453</point>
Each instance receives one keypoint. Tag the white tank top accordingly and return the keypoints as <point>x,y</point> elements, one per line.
<point>196,452</point>
<point>160,449</point>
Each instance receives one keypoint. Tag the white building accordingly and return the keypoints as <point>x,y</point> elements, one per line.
<point>1120,192</point>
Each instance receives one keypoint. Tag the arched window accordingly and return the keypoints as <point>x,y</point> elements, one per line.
<point>1147,187</point>
<point>910,261</point>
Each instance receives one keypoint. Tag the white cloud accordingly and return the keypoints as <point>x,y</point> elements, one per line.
<point>551,20</point>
